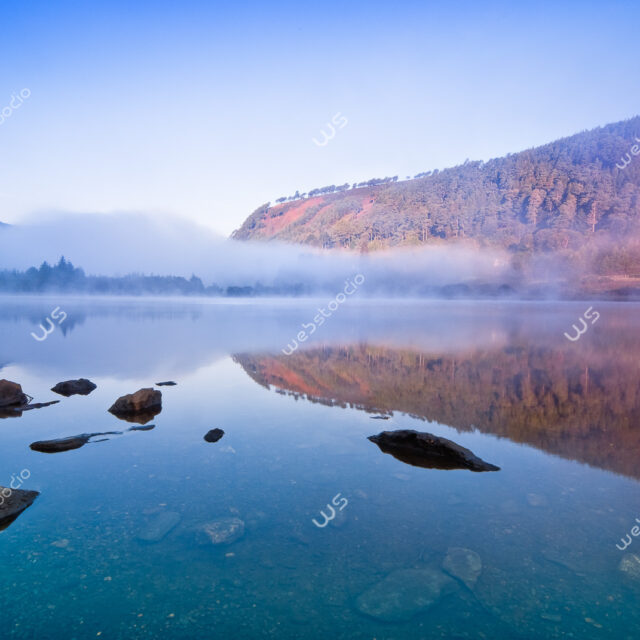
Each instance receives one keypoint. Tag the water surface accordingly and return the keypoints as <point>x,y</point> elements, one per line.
<point>559,418</point>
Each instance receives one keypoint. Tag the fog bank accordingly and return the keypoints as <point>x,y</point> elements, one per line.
<point>124,243</point>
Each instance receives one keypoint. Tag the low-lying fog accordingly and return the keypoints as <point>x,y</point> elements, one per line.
<point>120,244</point>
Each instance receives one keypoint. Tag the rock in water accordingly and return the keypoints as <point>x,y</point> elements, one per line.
<point>222,531</point>
<point>11,394</point>
<point>463,564</point>
<point>146,427</point>
<point>141,406</point>
<point>67,444</point>
<point>630,565</point>
<point>214,435</point>
<point>159,527</point>
<point>403,594</point>
<point>81,387</point>
<point>429,451</point>
<point>12,503</point>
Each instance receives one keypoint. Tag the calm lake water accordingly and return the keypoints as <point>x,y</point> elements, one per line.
<point>560,418</point>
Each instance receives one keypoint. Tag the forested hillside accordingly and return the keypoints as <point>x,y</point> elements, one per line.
<point>574,195</point>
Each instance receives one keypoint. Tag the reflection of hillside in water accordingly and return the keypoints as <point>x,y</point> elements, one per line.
<point>582,404</point>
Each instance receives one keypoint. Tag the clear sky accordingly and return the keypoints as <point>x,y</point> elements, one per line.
<point>207,110</point>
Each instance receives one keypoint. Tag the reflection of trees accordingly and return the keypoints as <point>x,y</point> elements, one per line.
<point>581,404</point>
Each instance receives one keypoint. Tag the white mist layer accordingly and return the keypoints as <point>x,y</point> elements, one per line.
<point>120,244</point>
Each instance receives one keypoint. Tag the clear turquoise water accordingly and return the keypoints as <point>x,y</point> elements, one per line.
<point>72,564</point>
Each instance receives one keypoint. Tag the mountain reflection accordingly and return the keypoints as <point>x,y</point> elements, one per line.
<point>580,404</point>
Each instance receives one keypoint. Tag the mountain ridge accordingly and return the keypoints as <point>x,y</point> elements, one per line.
<point>562,196</point>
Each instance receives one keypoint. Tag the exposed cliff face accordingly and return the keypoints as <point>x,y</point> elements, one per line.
<point>561,196</point>
<point>582,405</point>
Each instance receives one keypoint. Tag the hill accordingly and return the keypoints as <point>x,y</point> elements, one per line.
<point>574,196</point>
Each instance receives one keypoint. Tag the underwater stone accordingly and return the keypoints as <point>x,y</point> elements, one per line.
<point>159,527</point>
<point>403,594</point>
<point>464,564</point>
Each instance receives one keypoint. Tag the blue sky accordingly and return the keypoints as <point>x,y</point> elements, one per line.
<point>206,110</point>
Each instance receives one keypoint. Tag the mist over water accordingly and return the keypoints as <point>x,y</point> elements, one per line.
<point>124,243</point>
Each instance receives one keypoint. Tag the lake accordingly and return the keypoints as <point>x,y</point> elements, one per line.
<point>158,533</point>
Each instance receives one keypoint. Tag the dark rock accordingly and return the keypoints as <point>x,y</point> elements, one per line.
<point>11,394</point>
<point>169,383</point>
<point>12,503</point>
<point>67,444</point>
<point>214,435</point>
<point>429,451</point>
<point>81,387</point>
<point>403,594</point>
<point>379,417</point>
<point>141,406</point>
<point>14,391</point>
<point>221,531</point>
<point>159,527</point>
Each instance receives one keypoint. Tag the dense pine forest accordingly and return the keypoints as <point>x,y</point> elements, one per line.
<point>578,197</point>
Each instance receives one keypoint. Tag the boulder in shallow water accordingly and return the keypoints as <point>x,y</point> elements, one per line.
<point>11,394</point>
<point>214,435</point>
<point>12,503</point>
<point>464,564</point>
<point>429,451</point>
<point>159,527</point>
<point>221,531</point>
<point>80,387</point>
<point>141,406</point>
<point>630,565</point>
<point>403,594</point>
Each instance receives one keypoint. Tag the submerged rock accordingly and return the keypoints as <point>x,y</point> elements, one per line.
<point>12,503</point>
<point>463,564</point>
<point>146,427</point>
<point>169,383</point>
<point>81,387</point>
<point>537,500</point>
<point>630,565</point>
<point>59,445</point>
<point>159,527</point>
<point>403,594</point>
<point>214,435</point>
<point>141,406</point>
<point>222,531</point>
<point>11,394</point>
<point>429,451</point>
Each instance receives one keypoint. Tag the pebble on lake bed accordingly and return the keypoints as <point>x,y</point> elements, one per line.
<point>221,531</point>
<point>630,565</point>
